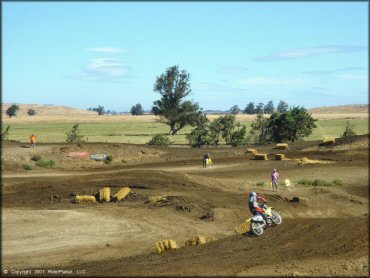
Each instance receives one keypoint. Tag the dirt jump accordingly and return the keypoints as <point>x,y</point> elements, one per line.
<point>173,199</point>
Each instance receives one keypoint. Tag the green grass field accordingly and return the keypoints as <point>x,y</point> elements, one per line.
<point>141,132</point>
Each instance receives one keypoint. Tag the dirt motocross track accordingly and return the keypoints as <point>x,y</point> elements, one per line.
<point>324,234</point>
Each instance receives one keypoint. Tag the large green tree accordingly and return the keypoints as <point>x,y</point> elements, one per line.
<point>291,126</point>
<point>235,110</point>
<point>137,110</point>
<point>260,129</point>
<point>269,107</point>
<point>250,109</point>
<point>260,108</point>
<point>12,110</point>
<point>282,107</point>
<point>212,133</point>
<point>174,87</point>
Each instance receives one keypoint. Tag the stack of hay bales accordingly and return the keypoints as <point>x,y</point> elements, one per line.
<point>327,141</point>
<point>197,240</point>
<point>260,156</point>
<point>84,199</point>
<point>120,195</point>
<point>164,245</point>
<point>104,195</point>
<point>282,146</point>
<point>279,156</point>
<point>251,151</point>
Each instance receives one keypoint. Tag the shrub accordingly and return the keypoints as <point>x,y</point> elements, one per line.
<point>337,182</point>
<point>36,158</point>
<point>160,140</point>
<point>108,160</point>
<point>319,182</point>
<point>45,163</point>
<point>261,183</point>
<point>348,133</point>
<point>74,136</point>
<point>27,167</point>
<point>305,182</point>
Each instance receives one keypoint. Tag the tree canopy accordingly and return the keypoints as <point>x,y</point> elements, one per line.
<point>12,110</point>
<point>235,110</point>
<point>250,109</point>
<point>290,126</point>
<point>31,112</point>
<point>282,107</point>
<point>212,133</point>
<point>269,107</point>
<point>137,110</point>
<point>174,86</point>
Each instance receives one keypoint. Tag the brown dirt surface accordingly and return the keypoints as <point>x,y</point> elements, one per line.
<point>324,231</point>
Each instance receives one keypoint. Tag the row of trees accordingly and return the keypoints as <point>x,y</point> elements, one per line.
<point>284,125</point>
<point>261,108</point>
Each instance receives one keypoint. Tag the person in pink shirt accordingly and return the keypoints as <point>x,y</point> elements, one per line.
<point>275,179</point>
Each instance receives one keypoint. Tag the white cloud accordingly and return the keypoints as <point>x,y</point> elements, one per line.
<point>113,50</point>
<point>103,69</point>
<point>260,80</point>
<point>308,52</point>
<point>353,77</point>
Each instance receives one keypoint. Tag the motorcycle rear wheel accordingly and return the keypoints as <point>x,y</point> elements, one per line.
<point>257,228</point>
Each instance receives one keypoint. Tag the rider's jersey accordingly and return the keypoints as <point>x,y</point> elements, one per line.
<point>253,202</point>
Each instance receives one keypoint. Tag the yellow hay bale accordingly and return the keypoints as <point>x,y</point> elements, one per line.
<point>281,146</point>
<point>279,156</point>
<point>260,156</point>
<point>164,245</point>
<point>156,199</point>
<point>244,228</point>
<point>172,244</point>
<point>120,195</point>
<point>104,194</point>
<point>85,199</point>
<point>328,141</point>
<point>197,240</point>
<point>251,151</point>
<point>158,248</point>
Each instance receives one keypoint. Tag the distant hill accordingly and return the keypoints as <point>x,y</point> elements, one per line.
<point>55,110</point>
<point>343,109</point>
<point>47,109</point>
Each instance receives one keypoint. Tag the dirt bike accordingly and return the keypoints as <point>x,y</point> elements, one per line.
<point>258,224</point>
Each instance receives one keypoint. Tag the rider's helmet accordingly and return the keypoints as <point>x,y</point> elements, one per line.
<point>253,194</point>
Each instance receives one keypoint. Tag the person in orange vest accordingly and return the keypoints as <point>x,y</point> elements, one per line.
<point>33,141</point>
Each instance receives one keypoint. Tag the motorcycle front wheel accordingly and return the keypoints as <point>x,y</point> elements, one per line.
<point>275,217</point>
<point>257,228</point>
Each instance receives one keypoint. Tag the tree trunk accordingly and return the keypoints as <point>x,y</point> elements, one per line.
<point>173,130</point>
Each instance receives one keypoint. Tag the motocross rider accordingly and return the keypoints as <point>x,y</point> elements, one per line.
<point>254,207</point>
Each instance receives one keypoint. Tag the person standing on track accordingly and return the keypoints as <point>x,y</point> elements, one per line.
<point>275,180</point>
<point>33,141</point>
<point>206,157</point>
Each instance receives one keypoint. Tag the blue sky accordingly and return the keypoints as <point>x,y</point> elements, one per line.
<point>87,54</point>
